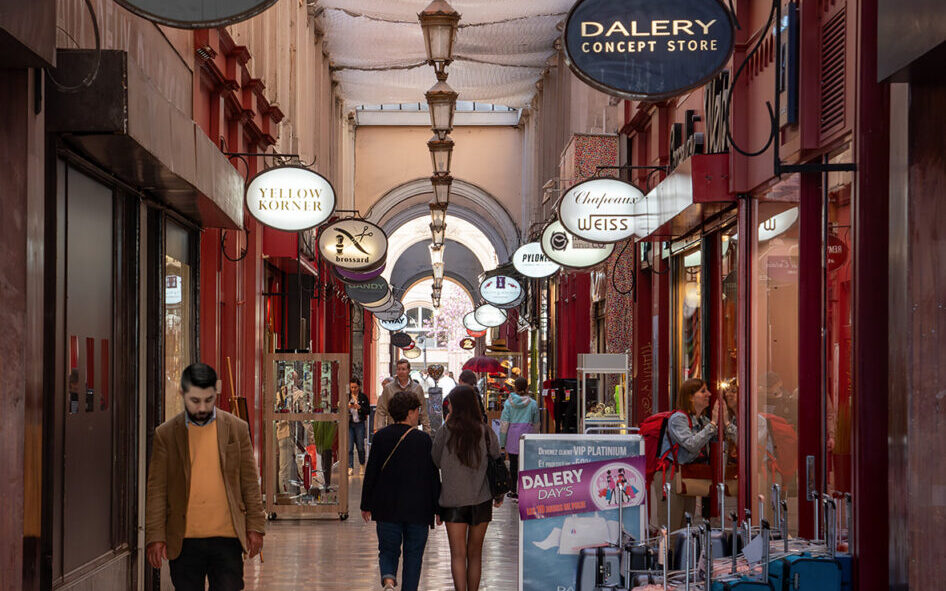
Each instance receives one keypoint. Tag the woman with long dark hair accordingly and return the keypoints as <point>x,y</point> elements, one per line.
<point>461,450</point>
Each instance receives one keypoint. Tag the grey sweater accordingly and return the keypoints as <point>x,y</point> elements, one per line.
<point>462,485</point>
<point>691,440</point>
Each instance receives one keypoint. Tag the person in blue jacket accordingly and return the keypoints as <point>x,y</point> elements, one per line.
<point>520,416</point>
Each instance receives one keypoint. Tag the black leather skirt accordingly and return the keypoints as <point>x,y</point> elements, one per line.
<point>470,514</point>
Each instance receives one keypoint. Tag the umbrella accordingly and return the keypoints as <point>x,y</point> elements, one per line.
<point>484,364</point>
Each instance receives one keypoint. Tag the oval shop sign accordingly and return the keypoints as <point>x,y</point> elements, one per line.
<point>648,50</point>
<point>196,14</point>
<point>601,210</point>
<point>290,198</point>
<point>353,244</point>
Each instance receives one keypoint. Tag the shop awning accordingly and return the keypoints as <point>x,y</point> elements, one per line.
<point>695,191</point>
<point>125,125</point>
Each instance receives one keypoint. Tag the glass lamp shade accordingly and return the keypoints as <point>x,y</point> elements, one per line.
<point>435,302</point>
<point>437,234</point>
<point>442,101</point>
<point>439,22</point>
<point>436,255</point>
<point>438,282</point>
<point>438,270</point>
<point>441,185</point>
<point>441,152</point>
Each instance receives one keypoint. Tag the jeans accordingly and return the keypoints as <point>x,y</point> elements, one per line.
<point>391,536</point>
<point>356,439</point>
<point>219,559</point>
<point>514,473</point>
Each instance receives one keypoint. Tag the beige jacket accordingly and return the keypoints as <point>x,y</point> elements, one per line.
<point>381,416</point>
<point>169,481</point>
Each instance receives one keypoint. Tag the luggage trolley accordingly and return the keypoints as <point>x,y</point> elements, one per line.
<point>305,435</point>
<point>605,408</point>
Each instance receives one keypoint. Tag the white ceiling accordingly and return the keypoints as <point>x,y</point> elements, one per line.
<point>377,49</point>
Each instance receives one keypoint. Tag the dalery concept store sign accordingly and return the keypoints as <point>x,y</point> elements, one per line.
<point>196,14</point>
<point>648,49</point>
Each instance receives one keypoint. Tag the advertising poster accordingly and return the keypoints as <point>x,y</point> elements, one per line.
<point>549,546</point>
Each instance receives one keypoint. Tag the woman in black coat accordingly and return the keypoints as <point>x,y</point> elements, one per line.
<point>400,492</point>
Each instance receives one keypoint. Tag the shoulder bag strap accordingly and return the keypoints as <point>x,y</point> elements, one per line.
<point>406,433</point>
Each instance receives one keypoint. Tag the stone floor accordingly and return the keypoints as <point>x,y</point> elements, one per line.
<point>328,554</point>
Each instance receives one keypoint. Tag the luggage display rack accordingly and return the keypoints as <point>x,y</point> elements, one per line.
<point>305,435</point>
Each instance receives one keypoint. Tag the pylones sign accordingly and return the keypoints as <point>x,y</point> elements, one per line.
<point>290,198</point>
<point>601,210</point>
<point>532,262</point>
<point>645,49</point>
<point>353,244</point>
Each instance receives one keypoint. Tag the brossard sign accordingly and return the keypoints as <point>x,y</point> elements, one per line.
<point>647,49</point>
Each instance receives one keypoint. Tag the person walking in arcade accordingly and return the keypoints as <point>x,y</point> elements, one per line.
<point>203,507</point>
<point>359,407</point>
<point>460,451</point>
<point>520,416</point>
<point>400,492</point>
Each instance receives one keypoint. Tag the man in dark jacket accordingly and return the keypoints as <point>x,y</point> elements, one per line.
<point>358,407</point>
<point>400,492</point>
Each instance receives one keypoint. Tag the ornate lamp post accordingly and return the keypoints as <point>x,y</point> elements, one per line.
<point>441,154</point>
<point>442,101</point>
<point>439,22</point>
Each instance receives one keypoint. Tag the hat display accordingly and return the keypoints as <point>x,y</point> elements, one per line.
<point>498,346</point>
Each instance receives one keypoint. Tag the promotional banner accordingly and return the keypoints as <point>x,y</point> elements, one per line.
<point>549,546</point>
<point>581,488</point>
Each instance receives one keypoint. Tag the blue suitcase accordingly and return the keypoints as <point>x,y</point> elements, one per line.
<point>847,566</point>
<point>804,572</point>
<point>740,584</point>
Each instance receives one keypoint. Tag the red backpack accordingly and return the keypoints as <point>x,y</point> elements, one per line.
<point>653,429</point>
<point>785,445</point>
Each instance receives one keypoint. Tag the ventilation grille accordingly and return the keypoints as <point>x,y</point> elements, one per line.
<point>833,72</point>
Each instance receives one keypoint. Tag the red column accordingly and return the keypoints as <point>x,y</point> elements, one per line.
<point>644,362</point>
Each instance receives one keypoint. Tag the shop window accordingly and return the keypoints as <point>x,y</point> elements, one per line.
<point>774,343</point>
<point>687,317</point>
<point>727,355</point>
<point>178,314</point>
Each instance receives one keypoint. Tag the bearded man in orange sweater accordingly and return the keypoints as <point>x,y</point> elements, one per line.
<point>204,511</point>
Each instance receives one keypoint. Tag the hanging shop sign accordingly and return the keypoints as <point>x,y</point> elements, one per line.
<point>569,250</point>
<point>412,353</point>
<point>353,244</point>
<point>837,252</point>
<point>401,340</point>
<point>394,325</point>
<point>410,347</point>
<point>196,14</point>
<point>476,333</point>
<point>467,344</point>
<point>470,323</point>
<point>489,315</point>
<point>500,290</point>
<point>777,224</point>
<point>393,305</point>
<point>290,198</point>
<point>369,293</point>
<point>530,261</point>
<point>357,276</point>
<point>601,210</point>
<point>646,50</point>
<point>392,314</point>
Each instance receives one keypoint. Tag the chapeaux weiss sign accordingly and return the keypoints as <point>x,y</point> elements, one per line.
<point>647,49</point>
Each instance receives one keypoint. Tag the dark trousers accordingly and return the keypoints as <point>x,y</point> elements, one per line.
<point>356,439</point>
<point>514,472</point>
<point>219,559</point>
<point>327,466</point>
<point>391,536</point>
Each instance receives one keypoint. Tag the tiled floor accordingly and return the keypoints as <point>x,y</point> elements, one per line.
<point>328,554</point>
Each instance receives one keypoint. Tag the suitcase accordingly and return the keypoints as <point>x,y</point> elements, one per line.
<point>599,569</point>
<point>640,557</point>
<point>804,572</point>
<point>740,584</point>
<point>846,562</point>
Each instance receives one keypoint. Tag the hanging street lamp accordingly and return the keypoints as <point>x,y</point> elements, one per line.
<point>436,254</point>
<point>442,101</point>
<point>441,185</point>
<point>438,221</point>
<point>438,271</point>
<point>441,153</point>
<point>439,22</point>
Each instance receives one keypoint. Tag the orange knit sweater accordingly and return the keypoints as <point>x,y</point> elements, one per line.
<point>208,510</point>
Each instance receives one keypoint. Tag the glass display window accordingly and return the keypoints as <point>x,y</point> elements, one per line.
<point>774,343</point>
<point>179,328</point>
<point>687,309</point>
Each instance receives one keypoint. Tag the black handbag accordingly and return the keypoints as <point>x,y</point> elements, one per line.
<point>497,474</point>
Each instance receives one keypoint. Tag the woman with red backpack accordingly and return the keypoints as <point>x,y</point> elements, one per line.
<point>685,436</point>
